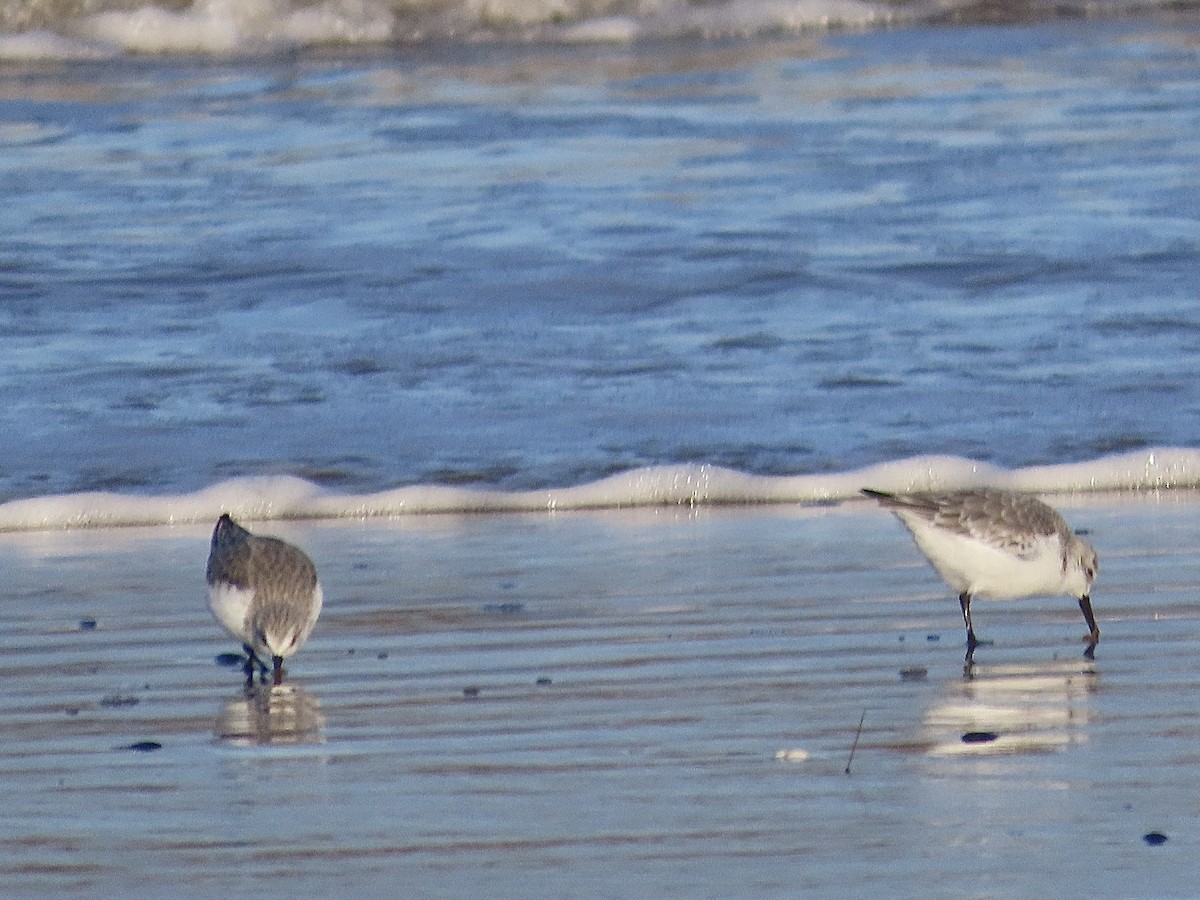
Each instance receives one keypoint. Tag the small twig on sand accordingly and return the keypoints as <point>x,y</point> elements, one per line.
<point>857,735</point>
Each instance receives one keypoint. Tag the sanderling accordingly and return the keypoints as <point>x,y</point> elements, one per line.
<point>264,591</point>
<point>998,545</point>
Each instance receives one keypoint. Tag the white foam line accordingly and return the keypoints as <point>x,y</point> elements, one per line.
<point>281,497</point>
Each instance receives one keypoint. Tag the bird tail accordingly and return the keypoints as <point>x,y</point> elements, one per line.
<point>881,496</point>
<point>923,504</point>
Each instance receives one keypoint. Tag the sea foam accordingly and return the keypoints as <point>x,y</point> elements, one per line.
<point>42,30</point>
<point>288,497</point>
<point>239,26</point>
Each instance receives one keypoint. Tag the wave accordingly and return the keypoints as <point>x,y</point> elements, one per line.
<point>45,30</point>
<point>289,497</point>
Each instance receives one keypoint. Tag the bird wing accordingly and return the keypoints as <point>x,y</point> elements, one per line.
<point>1014,523</point>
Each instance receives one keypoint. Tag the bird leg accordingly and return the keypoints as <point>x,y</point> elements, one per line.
<point>277,664</point>
<point>253,664</point>
<point>1093,638</point>
<point>964,600</point>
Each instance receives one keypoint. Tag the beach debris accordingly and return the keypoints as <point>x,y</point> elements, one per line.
<point>544,681</point>
<point>87,624</point>
<point>857,735</point>
<point>142,746</point>
<point>914,673</point>
<point>471,691</point>
<point>113,701</point>
<point>508,608</point>
<point>792,754</point>
<point>1154,838</point>
<point>980,737</point>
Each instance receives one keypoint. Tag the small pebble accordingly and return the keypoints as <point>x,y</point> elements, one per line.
<point>142,746</point>
<point>794,754</point>
<point>914,673</point>
<point>471,691</point>
<point>1154,838</point>
<point>933,637</point>
<point>231,660</point>
<point>115,700</point>
<point>381,656</point>
<point>87,624</point>
<point>543,681</point>
<point>979,737</point>
<point>504,608</point>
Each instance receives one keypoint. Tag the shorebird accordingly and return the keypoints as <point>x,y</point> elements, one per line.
<point>264,591</point>
<point>998,545</point>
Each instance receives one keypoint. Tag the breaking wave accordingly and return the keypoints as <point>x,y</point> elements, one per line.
<point>288,497</point>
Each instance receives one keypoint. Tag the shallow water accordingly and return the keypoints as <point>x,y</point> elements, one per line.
<point>592,704</point>
<point>533,266</point>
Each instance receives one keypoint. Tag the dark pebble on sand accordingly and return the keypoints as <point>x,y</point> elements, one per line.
<point>87,624</point>
<point>543,681</point>
<point>1154,838</point>
<point>232,660</point>
<point>914,673</point>
<point>381,656</point>
<point>142,746</point>
<point>979,737</point>
<point>933,637</point>
<point>471,691</point>
<point>507,609</point>
<point>115,700</point>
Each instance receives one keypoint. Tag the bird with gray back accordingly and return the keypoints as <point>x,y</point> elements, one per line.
<point>264,591</point>
<point>998,545</point>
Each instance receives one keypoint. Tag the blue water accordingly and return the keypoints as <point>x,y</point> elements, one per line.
<point>517,266</point>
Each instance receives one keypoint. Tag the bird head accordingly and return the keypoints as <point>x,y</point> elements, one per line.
<point>227,532</point>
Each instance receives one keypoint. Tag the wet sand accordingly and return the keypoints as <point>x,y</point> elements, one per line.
<point>648,703</point>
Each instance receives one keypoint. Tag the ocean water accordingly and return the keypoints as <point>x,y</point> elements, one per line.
<point>407,271</point>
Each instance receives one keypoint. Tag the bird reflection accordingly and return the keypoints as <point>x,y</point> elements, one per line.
<point>1032,708</point>
<point>272,714</point>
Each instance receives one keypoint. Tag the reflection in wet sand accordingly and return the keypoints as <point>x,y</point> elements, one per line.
<point>272,714</point>
<point>1015,708</point>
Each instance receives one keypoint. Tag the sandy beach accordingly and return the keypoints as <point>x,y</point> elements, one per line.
<point>648,703</point>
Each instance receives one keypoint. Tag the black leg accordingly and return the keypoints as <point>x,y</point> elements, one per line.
<point>253,664</point>
<point>248,668</point>
<point>964,600</point>
<point>277,663</point>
